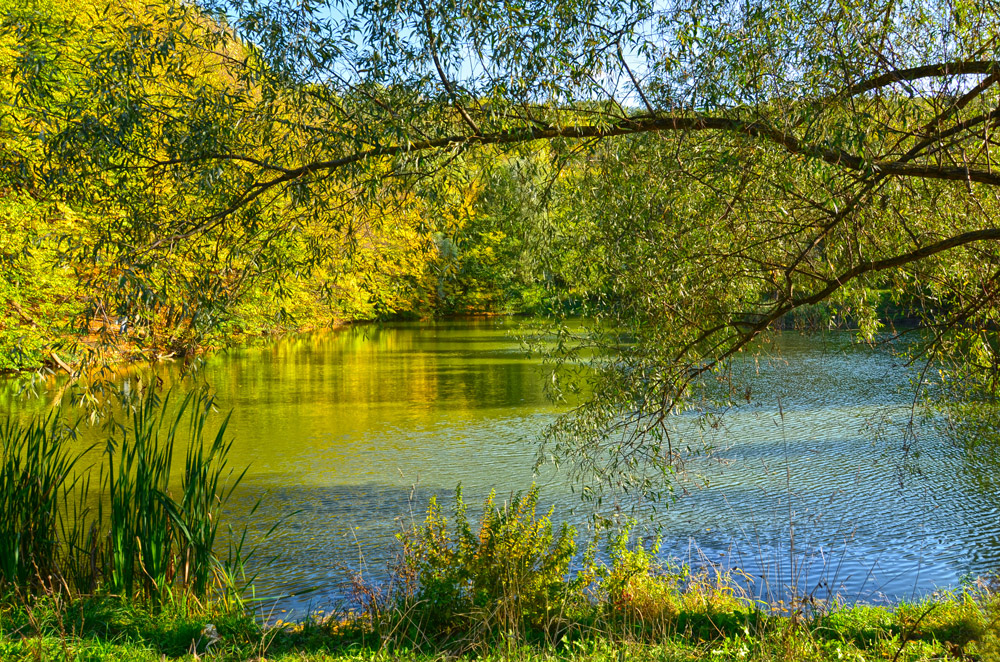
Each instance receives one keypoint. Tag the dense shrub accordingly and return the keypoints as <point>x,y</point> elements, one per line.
<point>507,575</point>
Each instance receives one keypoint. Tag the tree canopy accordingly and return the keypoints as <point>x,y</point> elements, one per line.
<point>693,172</point>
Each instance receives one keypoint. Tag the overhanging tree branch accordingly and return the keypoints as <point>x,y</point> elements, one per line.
<point>938,70</point>
<point>749,330</point>
<point>634,126</point>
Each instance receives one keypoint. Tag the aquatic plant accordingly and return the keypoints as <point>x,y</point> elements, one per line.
<point>157,540</point>
<point>35,468</point>
<point>125,532</point>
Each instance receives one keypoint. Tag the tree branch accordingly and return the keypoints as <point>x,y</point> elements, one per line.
<point>916,73</point>
<point>444,79</point>
<point>647,125</point>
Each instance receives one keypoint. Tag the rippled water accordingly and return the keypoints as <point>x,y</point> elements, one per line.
<point>348,434</point>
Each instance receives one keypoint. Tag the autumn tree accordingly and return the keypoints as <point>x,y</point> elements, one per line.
<point>723,164</point>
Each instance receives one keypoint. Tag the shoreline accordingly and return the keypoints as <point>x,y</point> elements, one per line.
<point>706,627</point>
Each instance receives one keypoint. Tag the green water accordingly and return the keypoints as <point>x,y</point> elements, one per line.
<point>347,434</point>
<point>386,405</point>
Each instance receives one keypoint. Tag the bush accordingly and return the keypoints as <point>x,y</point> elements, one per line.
<point>508,576</point>
<point>635,586</point>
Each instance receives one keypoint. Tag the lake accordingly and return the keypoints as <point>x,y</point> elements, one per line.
<point>347,434</point>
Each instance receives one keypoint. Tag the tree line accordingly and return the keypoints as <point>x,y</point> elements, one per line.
<point>686,175</point>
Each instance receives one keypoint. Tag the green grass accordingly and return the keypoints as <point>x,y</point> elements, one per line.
<point>954,626</point>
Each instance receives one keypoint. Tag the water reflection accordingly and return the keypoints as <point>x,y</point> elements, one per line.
<point>353,431</point>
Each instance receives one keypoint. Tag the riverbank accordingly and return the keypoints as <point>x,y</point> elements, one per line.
<point>955,626</point>
<point>511,585</point>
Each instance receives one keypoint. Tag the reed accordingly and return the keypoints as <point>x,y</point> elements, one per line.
<point>129,525</point>
<point>35,477</point>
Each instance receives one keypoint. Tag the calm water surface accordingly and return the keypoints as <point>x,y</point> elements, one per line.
<point>348,434</point>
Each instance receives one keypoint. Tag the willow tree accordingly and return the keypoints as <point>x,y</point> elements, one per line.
<point>725,163</point>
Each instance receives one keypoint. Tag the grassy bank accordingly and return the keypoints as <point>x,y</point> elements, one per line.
<point>958,626</point>
<point>501,589</point>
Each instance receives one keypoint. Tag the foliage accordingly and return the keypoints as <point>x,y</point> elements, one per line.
<point>37,293</point>
<point>131,535</point>
<point>688,175</point>
<point>507,574</point>
<point>65,286</point>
